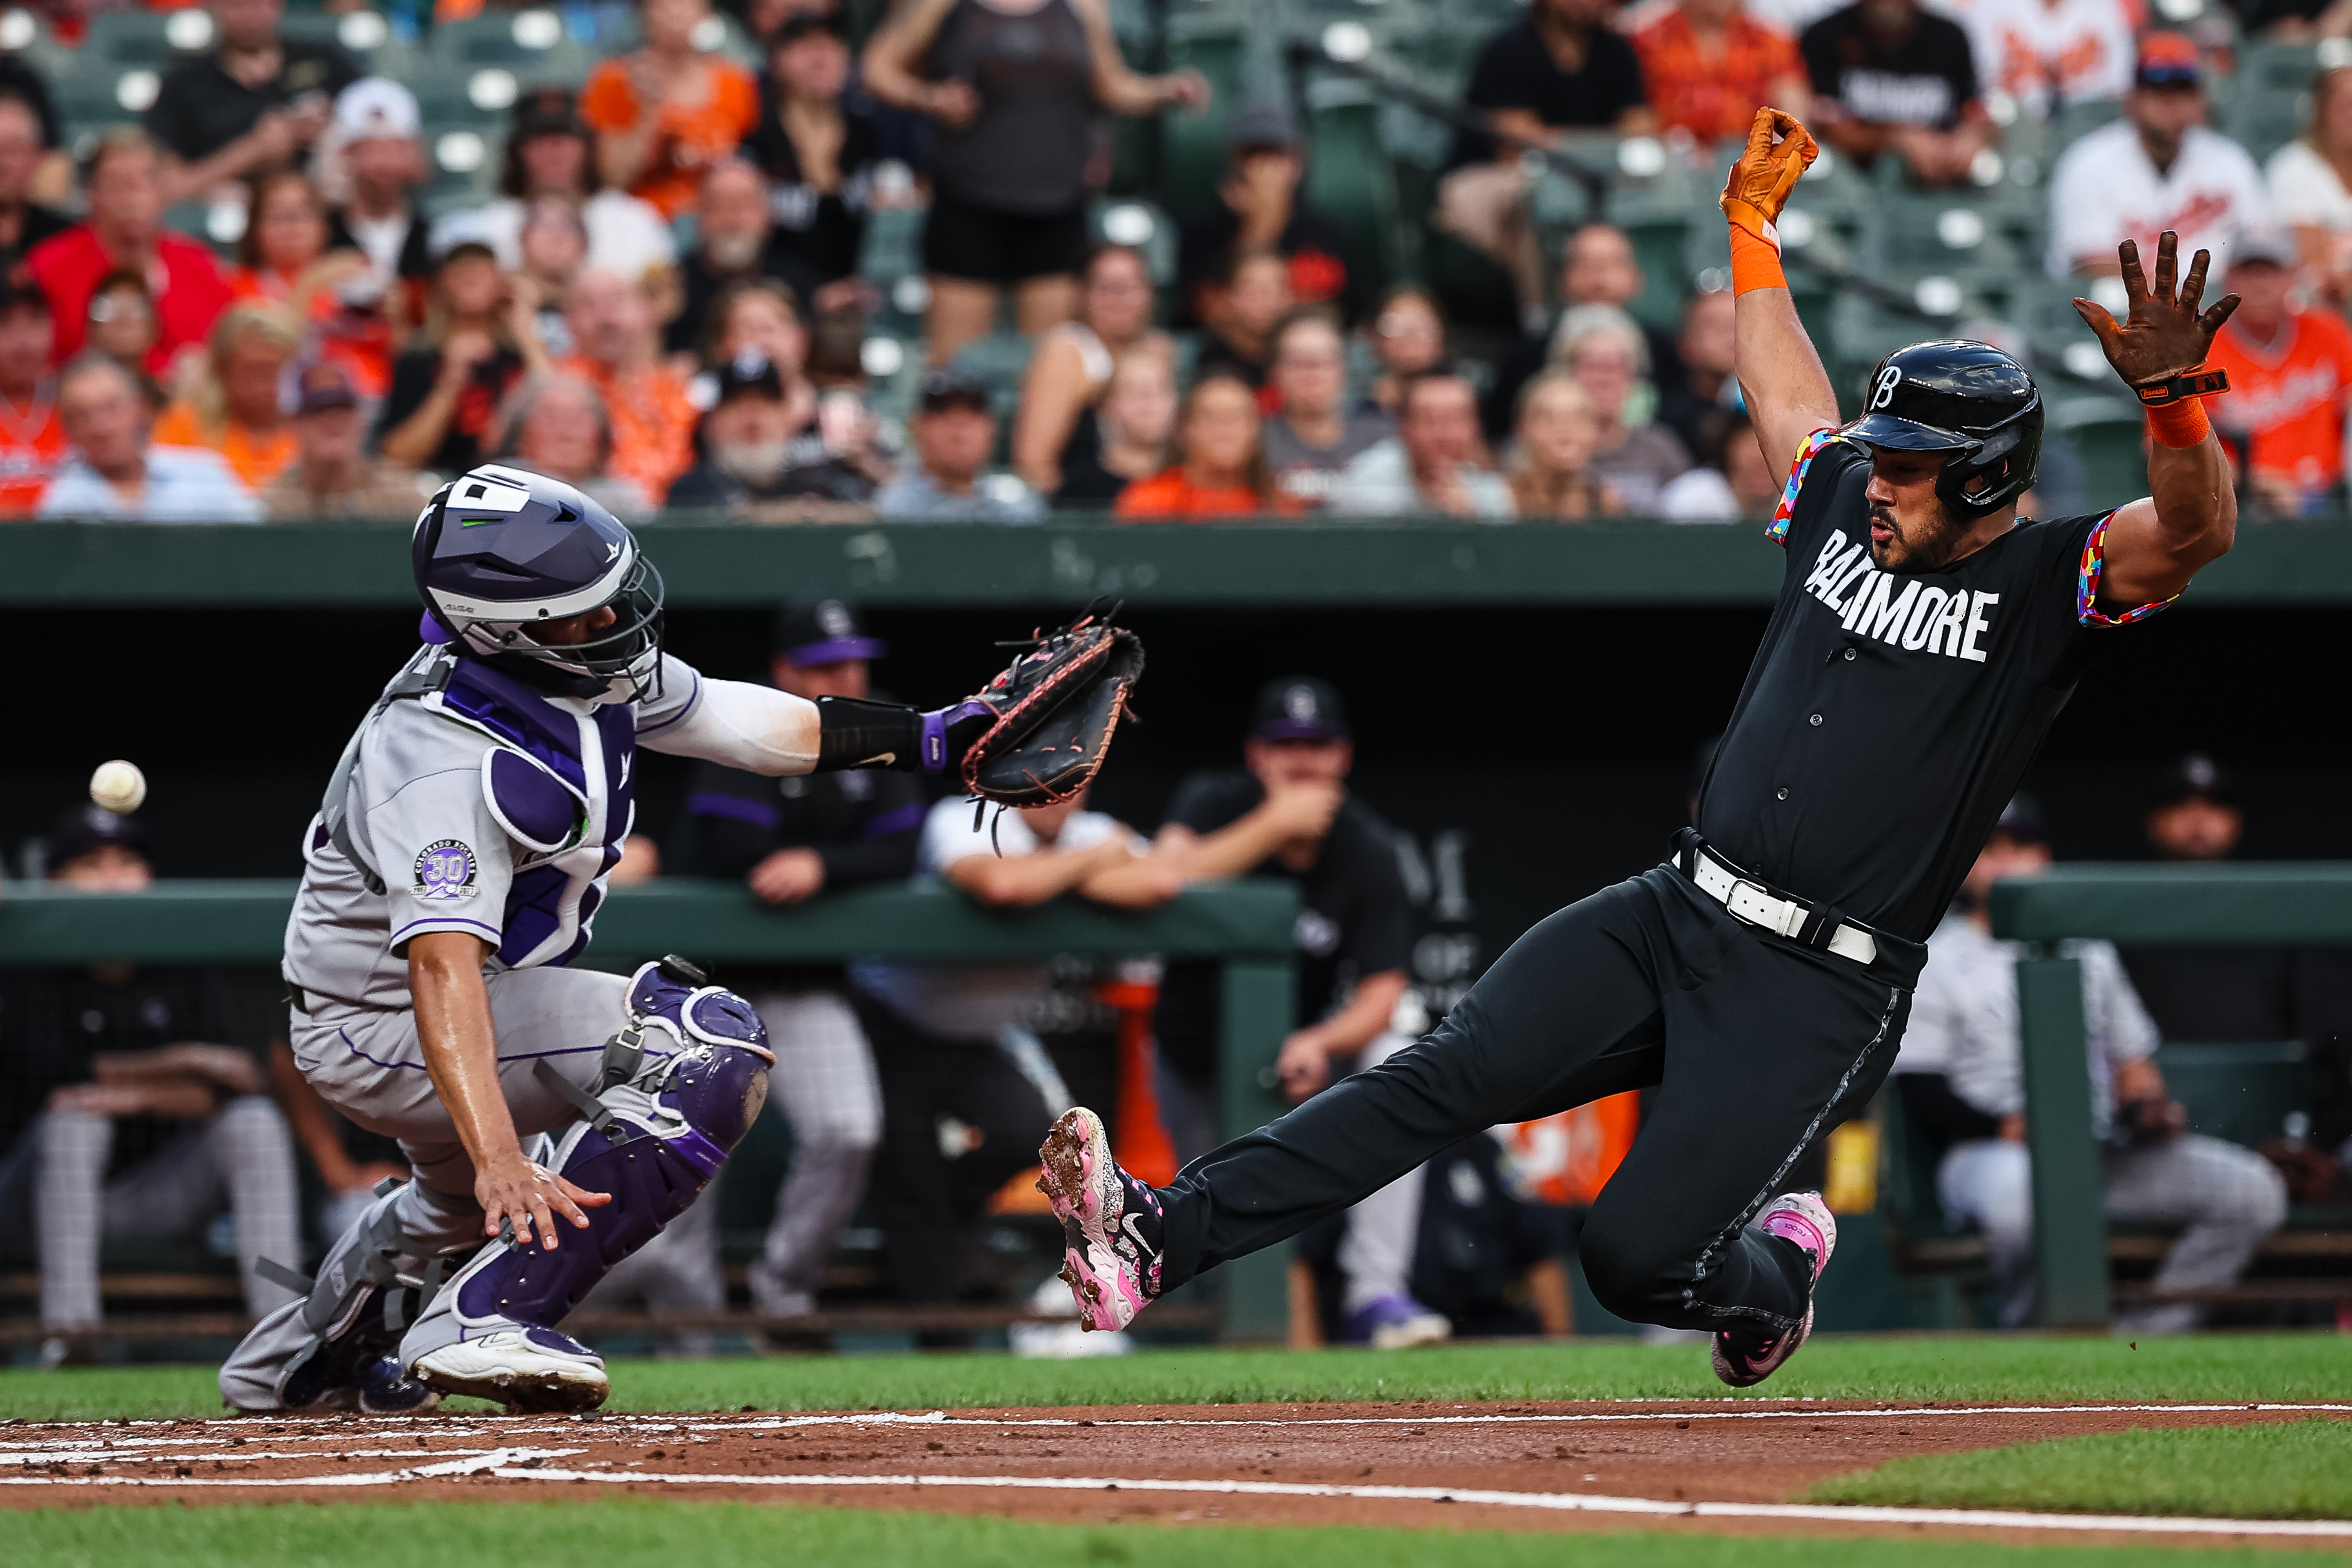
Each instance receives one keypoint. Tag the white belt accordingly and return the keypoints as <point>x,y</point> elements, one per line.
<point>1750,902</point>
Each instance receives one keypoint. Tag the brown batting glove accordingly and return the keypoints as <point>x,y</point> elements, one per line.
<point>2162,335</point>
<point>1779,151</point>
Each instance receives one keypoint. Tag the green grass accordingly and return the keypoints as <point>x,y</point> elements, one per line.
<point>609,1530</point>
<point>2020,1367</point>
<point>2300,1469</point>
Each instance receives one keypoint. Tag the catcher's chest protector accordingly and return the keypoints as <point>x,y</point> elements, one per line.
<point>559,781</point>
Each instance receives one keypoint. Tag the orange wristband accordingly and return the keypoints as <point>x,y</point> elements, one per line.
<point>2181,424</point>
<point>1755,263</point>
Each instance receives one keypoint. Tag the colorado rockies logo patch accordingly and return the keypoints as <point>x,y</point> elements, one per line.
<point>445,870</point>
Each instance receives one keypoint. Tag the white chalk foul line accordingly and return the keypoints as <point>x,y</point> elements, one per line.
<point>938,1417</point>
<point>1560,1503</point>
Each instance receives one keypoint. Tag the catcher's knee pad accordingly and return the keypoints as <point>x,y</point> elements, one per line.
<point>653,1142</point>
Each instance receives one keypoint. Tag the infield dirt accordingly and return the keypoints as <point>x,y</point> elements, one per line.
<point>1089,1465</point>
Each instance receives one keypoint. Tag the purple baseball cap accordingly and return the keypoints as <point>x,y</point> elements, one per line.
<point>1300,707</point>
<point>823,631</point>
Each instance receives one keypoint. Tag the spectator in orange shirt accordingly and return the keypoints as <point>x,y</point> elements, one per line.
<point>233,407</point>
<point>668,111</point>
<point>614,339</point>
<point>1220,469</point>
<point>2289,370</point>
<point>1708,64</point>
<point>32,439</point>
<point>284,261</point>
<point>123,232</point>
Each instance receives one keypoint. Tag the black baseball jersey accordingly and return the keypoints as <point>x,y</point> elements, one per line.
<point>1888,717</point>
<point>863,823</point>
<point>1354,916</point>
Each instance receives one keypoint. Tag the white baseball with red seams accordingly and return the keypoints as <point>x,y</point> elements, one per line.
<point>119,786</point>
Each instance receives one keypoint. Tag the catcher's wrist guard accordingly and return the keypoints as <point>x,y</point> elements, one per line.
<point>854,733</point>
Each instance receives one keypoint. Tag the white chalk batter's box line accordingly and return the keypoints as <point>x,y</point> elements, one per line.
<point>532,1464</point>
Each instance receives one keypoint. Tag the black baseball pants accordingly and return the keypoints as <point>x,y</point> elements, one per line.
<point>1756,1047</point>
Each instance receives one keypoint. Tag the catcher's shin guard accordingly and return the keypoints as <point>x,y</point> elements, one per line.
<point>653,1142</point>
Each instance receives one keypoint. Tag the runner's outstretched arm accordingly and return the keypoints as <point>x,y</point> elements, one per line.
<point>1789,394</point>
<point>2191,517</point>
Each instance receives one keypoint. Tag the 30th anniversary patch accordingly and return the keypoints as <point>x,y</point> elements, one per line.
<point>445,870</point>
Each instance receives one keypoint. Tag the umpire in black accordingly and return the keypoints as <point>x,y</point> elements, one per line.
<point>1924,637</point>
<point>792,838</point>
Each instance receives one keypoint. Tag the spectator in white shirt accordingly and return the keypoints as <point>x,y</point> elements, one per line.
<point>2311,183</point>
<point>968,1088</point>
<point>1961,1071</point>
<point>1434,466</point>
<point>116,475</point>
<point>2157,168</point>
<point>2046,53</point>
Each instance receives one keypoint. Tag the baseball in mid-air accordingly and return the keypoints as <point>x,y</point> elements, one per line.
<point>119,786</point>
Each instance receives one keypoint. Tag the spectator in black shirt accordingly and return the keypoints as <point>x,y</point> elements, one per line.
<point>1240,310</point>
<point>735,242</point>
<point>24,223</point>
<point>1259,209</point>
<point>137,1104</point>
<point>1286,812</point>
<point>477,348</point>
<point>819,156</point>
<point>1888,76</point>
<point>791,838</point>
<point>1564,68</point>
<point>256,101</point>
<point>372,160</point>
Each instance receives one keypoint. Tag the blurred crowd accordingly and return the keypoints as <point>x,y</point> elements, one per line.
<point>664,303</point>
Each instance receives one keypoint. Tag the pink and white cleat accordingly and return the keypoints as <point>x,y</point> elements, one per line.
<point>1110,1223</point>
<point>1744,1359</point>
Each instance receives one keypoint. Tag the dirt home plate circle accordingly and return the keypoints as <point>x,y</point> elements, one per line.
<point>119,786</point>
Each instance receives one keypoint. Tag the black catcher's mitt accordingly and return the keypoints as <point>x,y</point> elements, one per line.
<point>1056,707</point>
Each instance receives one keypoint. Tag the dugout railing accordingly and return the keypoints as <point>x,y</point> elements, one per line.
<point>1245,926</point>
<point>2219,905</point>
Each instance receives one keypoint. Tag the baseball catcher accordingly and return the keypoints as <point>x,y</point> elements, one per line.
<point>554,1119</point>
<point>1925,636</point>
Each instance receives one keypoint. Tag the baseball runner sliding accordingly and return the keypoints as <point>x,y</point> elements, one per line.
<point>1924,637</point>
<point>555,1120</point>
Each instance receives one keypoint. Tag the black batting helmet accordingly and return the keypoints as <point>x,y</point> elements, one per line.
<point>1968,399</point>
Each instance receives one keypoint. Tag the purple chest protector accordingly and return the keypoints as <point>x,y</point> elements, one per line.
<point>560,782</point>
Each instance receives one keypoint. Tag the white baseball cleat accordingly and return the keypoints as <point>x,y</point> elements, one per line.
<point>1744,1359</point>
<point>529,1369</point>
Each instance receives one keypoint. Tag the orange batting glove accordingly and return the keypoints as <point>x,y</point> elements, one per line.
<point>1779,151</point>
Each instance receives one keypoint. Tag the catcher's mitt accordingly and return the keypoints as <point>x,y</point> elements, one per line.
<point>1056,707</point>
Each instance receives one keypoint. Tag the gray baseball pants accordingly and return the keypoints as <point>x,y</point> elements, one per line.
<point>242,1158</point>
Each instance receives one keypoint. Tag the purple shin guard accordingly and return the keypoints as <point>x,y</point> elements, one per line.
<point>653,1142</point>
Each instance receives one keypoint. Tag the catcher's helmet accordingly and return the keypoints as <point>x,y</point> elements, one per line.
<point>1968,399</point>
<point>498,550</point>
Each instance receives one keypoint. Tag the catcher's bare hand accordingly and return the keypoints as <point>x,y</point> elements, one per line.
<point>524,1191</point>
<point>1779,151</point>
<point>2163,335</point>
